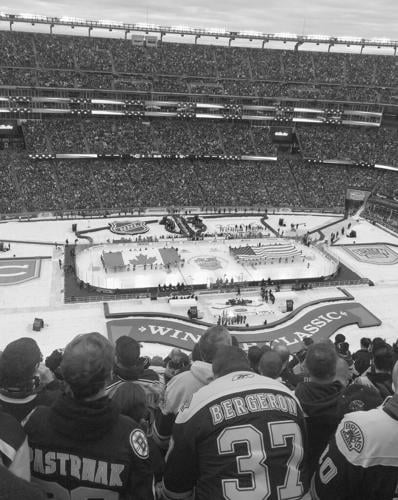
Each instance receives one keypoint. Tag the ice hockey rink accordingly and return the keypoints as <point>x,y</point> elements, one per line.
<point>371,255</point>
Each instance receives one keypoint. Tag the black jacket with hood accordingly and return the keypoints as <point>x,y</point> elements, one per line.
<point>89,445</point>
<point>320,403</point>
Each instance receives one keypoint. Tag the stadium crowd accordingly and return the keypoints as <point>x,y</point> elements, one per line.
<point>106,63</point>
<point>28,185</point>
<point>174,136</point>
<point>359,144</point>
<point>202,137</point>
<point>97,420</point>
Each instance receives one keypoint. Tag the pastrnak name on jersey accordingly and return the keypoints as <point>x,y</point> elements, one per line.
<point>82,468</point>
<point>251,403</point>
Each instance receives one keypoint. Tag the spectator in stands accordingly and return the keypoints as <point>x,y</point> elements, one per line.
<point>229,359</point>
<point>395,351</point>
<point>254,354</point>
<point>376,343</point>
<point>362,357</point>
<point>195,354</point>
<point>270,365</point>
<point>339,339</point>
<point>157,365</point>
<point>319,398</point>
<point>129,366</point>
<point>53,363</point>
<point>15,488</point>
<point>343,372</point>
<point>21,389</point>
<point>180,389</point>
<point>380,378</point>
<point>361,458</point>
<point>177,362</point>
<point>287,376</point>
<point>90,447</point>
<point>343,351</point>
<point>357,397</point>
<point>14,450</point>
<point>235,417</point>
<point>130,398</point>
<point>297,364</point>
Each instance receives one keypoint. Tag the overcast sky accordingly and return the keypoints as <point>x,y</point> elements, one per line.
<point>363,18</point>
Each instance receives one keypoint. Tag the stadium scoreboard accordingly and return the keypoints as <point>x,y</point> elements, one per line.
<point>357,194</point>
<point>354,199</point>
<point>282,135</point>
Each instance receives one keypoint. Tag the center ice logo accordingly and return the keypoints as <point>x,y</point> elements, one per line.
<point>374,254</point>
<point>128,227</point>
<point>208,263</point>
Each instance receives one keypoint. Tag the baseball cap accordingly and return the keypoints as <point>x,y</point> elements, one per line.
<point>86,364</point>
<point>358,397</point>
<point>18,362</point>
<point>127,350</point>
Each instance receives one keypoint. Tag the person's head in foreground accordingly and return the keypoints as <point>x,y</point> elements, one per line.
<point>229,359</point>
<point>270,364</point>
<point>321,361</point>
<point>86,365</point>
<point>209,342</point>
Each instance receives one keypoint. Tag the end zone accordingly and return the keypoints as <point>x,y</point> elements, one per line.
<point>16,270</point>
<point>378,253</point>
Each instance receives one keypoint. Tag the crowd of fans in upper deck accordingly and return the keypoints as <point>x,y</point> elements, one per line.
<point>105,63</point>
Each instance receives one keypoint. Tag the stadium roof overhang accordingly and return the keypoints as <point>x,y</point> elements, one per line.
<point>73,22</point>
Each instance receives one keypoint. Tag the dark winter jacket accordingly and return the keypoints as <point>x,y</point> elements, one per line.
<point>320,403</point>
<point>382,382</point>
<point>361,360</point>
<point>14,488</point>
<point>98,449</point>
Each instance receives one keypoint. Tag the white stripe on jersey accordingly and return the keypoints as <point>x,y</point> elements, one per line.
<point>233,383</point>
<point>17,401</point>
<point>7,450</point>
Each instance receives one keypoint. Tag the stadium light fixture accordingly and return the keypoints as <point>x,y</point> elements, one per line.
<point>386,167</point>
<point>36,17</point>
<point>350,39</point>
<point>110,23</point>
<point>380,40</point>
<point>67,19</point>
<point>317,37</point>
<point>285,35</point>
<point>250,33</point>
<point>146,26</point>
<point>181,28</point>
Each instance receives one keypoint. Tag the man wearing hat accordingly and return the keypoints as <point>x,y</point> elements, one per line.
<point>20,386</point>
<point>82,447</point>
<point>128,366</point>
